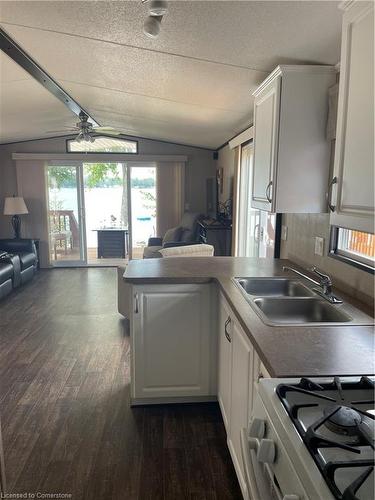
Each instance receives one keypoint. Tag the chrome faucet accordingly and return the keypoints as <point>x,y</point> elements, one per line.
<point>325,284</point>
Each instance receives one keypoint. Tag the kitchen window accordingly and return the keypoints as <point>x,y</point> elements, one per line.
<point>354,247</point>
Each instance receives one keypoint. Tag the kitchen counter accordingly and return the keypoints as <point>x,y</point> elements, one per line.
<point>285,351</point>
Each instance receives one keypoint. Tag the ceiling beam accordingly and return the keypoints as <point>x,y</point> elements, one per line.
<point>19,56</point>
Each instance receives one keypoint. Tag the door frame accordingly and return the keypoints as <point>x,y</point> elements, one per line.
<point>82,262</point>
<point>244,193</point>
<point>130,165</point>
<point>79,164</point>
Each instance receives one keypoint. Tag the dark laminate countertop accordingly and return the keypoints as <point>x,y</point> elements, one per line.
<point>284,350</point>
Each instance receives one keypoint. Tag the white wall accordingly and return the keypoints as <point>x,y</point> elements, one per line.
<point>200,166</point>
<point>299,247</point>
<point>226,161</point>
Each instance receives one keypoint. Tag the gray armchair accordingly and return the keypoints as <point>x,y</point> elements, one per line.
<point>187,233</point>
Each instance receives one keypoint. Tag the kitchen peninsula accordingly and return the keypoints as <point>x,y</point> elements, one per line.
<point>285,351</point>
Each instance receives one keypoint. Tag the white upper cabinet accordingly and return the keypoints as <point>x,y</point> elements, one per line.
<point>266,111</point>
<point>352,191</point>
<point>291,152</point>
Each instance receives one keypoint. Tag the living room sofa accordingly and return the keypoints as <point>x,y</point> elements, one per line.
<point>19,266</point>
<point>186,233</point>
<point>6,278</point>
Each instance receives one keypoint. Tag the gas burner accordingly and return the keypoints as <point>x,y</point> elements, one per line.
<point>336,420</point>
<point>344,420</point>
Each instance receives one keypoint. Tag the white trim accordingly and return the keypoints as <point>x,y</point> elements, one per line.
<point>287,68</point>
<point>177,399</point>
<point>95,157</point>
<point>244,136</point>
<point>346,4</point>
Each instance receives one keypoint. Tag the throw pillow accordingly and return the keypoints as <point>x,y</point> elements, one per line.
<point>201,250</point>
<point>172,235</point>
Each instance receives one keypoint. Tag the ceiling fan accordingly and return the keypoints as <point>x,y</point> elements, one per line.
<point>86,129</point>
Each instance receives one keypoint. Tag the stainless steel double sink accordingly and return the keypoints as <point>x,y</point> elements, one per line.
<point>284,301</point>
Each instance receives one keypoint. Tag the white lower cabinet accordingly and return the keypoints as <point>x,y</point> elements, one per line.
<point>187,345</point>
<point>173,350</point>
<point>241,397</point>
<point>238,368</point>
<point>224,360</point>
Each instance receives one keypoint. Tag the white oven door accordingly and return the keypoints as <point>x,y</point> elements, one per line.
<point>269,473</point>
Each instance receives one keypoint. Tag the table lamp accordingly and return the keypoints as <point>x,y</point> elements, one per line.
<point>15,206</point>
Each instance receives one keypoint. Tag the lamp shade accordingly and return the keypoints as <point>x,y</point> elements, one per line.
<point>15,205</point>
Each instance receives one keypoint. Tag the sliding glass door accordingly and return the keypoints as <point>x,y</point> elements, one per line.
<point>249,223</point>
<point>143,207</point>
<point>100,213</point>
<point>66,221</point>
<point>106,212</point>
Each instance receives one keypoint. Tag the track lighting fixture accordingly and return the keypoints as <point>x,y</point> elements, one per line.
<point>157,9</point>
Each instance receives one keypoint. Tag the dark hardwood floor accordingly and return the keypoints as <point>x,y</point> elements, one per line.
<point>64,403</point>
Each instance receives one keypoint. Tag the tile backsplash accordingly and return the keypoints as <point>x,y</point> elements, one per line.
<point>299,247</point>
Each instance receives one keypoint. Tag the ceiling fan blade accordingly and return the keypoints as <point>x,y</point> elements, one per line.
<point>62,130</point>
<point>107,130</point>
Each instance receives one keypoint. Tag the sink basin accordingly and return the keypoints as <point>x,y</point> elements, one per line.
<point>299,311</point>
<point>274,287</point>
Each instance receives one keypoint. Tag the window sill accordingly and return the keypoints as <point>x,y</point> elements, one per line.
<point>352,262</point>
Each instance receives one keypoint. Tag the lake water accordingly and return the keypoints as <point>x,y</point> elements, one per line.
<point>102,203</point>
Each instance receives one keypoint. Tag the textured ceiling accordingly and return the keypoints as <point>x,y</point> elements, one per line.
<point>191,85</point>
<point>26,108</point>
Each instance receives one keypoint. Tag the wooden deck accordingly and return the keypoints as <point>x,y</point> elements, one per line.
<point>92,260</point>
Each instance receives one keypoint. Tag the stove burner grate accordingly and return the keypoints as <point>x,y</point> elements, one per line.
<point>342,417</point>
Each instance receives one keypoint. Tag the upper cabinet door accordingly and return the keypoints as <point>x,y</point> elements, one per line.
<point>266,120</point>
<point>352,197</point>
<point>291,152</point>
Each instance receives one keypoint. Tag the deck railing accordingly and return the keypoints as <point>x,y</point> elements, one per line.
<point>64,221</point>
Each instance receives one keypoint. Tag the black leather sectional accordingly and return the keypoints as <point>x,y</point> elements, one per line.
<point>19,265</point>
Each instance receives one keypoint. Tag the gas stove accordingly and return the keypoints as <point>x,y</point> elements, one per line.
<point>335,420</point>
<point>313,439</point>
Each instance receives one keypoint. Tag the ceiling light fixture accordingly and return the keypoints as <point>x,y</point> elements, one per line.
<point>85,137</point>
<point>157,9</point>
<point>85,129</point>
<point>151,27</point>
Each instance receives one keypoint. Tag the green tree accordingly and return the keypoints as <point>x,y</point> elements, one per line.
<point>149,201</point>
<point>96,175</point>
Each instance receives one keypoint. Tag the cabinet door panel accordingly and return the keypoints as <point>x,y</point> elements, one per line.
<point>241,395</point>
<point>354,155</point>
<point>171,342</point>
<point>225,362</point>
<point>266,117</point>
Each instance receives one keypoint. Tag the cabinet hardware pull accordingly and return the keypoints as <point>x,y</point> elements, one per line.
<point>256,232</point>
<point>136,304</point>
<point>226,331</point>
<point>268,189</point>
<point>329,194</point>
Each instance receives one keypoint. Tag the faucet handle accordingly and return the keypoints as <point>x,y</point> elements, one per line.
<point>323,276</point>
